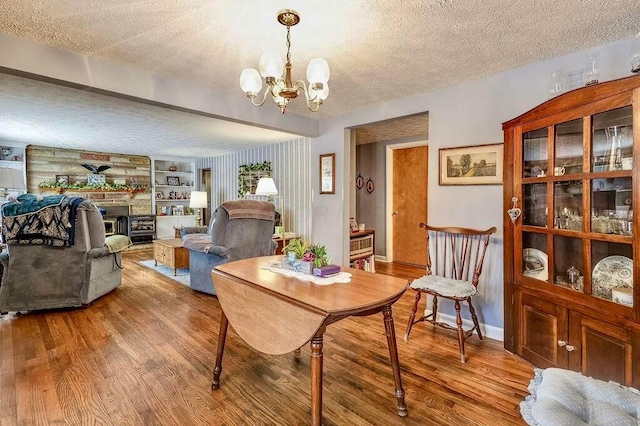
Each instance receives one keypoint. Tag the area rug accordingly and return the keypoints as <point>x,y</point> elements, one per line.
<point>182,274</point>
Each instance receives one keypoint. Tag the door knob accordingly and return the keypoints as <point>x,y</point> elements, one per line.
<point>570,348</point>
<point>562,343</point>
<point>394,213</point>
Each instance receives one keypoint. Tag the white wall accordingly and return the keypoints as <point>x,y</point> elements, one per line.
<point>467,114</point>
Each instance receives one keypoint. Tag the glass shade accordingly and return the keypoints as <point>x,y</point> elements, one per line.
<point>318,71</point>
<point>271,65</point>
<point>266,186</point>
<point>250,81</point>
<point>198,199</point>
<point>319,95</point>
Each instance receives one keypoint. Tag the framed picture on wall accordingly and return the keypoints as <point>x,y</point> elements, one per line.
<point>94,179</point>
<point>62,179</point>
<point>471,165</point>
<point>173,180</point>
<point>328,173</point>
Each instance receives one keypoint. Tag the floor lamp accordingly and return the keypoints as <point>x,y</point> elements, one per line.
<point>266,186</point>
<point>198,201</point>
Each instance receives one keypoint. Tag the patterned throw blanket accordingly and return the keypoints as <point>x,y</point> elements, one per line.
<point>41,220</point>
<point>249,209</point>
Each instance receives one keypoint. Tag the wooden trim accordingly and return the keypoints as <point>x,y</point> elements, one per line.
<point>576,99</point>
<point>508,228</point>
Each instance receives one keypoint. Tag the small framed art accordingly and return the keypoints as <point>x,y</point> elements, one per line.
<point>173,180</point>
<point>328,173</point>
<point>62,179</point>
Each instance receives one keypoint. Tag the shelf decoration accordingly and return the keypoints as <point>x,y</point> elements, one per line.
<point>61,187</point>
<point>249,175</point>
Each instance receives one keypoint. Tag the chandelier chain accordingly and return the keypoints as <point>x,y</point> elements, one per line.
<point>288,44</point>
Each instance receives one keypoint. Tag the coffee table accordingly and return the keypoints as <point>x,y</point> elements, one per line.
<point>171,253</point>
<point>276,314</point>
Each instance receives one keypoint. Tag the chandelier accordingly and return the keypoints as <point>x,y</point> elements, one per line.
<point>281,89</point>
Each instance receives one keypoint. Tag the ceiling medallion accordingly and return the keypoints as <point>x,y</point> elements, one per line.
<point>281,89</point>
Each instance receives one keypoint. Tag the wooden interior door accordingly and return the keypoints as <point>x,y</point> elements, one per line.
<point>409,204</point>
<point>543,331</point>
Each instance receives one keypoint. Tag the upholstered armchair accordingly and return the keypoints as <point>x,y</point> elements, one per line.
<point>238,230</point>
<point>40,276</point>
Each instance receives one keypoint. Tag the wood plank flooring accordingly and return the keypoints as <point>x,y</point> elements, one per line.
<point>143,355</point>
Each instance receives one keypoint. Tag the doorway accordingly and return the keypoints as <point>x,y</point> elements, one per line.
<point>205,185</point>
<point>407,198</point>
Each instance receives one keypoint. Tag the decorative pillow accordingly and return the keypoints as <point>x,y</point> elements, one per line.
<point>566,398</point>
<point>117,243</point>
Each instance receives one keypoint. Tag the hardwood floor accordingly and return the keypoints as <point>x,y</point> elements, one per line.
<point>144,355</point>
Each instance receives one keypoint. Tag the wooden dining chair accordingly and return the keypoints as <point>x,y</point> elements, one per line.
<point>454,265</point>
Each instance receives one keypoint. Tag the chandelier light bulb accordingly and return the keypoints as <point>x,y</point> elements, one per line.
<point>319,95</point>
<point>318,71</point>
<point>250,81</point>
<point>271,65</point>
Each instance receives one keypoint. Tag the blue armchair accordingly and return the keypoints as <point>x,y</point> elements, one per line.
<point>238,230</point>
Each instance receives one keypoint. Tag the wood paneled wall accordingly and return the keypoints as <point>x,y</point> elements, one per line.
<point>291,165</point>
<point>44,163</point>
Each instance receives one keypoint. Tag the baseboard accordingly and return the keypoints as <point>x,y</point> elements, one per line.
<point>489,331</point>
<point>380,258</point>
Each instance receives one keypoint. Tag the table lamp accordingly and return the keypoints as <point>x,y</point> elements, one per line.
<point>11,179</point>
<point>266,186</point>
<point>198,201</point>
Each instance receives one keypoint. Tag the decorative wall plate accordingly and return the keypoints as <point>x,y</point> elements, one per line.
<point>535,263</point>
<point>359,181</point>
<point>610,272</point>
<point>370,185</point>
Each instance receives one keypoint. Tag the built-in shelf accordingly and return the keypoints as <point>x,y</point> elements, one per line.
<point>6,162</point>
<point>176,172</point>
<point>171,199</point>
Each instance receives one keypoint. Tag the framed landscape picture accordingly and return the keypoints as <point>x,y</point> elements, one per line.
<point>471,165</point>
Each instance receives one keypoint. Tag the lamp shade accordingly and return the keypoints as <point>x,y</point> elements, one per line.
<point>11,179</point>
<point>318,71</point>
<point>198,200</point>
<point>250,81</point>
<point>271,65</point>
<point>266,186</point>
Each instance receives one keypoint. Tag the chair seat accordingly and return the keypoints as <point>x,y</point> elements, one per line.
<point>566,398</point>
<point>446,287</point>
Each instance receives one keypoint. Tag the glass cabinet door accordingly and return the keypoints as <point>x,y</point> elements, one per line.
<point>535,153</point>
<point>568,148</point>
<point>612,140</point>
<point>612,275</point>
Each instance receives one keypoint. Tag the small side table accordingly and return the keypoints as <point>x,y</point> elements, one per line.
<point>171,253</point>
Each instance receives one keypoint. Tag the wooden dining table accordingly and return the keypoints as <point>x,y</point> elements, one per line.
<point>276,314</point>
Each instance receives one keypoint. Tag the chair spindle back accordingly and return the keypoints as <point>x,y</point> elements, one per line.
<point>456,253</point>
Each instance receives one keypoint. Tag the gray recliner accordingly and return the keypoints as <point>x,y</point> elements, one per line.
<point>238,230</point>
<point>44,277</point>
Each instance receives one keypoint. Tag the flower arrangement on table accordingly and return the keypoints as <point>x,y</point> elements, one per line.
<point>303,256</point>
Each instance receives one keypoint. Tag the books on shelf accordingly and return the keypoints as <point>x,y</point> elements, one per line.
<point>363,264</point>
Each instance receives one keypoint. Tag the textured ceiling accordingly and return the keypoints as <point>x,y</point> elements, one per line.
<point>47,114</point>
<point>377,50</point>
<point>411,126</point>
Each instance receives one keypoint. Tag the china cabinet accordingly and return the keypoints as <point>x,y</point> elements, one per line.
<point>572,167</point>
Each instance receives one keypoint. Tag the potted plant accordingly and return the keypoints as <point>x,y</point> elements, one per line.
<point>303,256</point>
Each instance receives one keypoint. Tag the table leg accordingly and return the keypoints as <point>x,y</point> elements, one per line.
<point>401,407</point>
<point>316,380</point>
<point>222,337</point>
